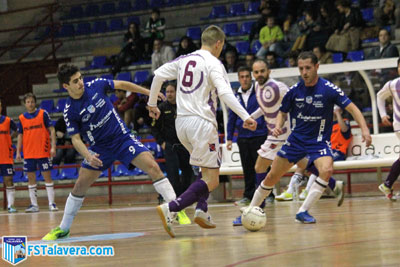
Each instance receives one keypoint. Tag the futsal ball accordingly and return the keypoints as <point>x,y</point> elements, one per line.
<point>253,218</point>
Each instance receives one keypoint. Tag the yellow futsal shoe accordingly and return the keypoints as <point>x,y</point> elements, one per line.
<point>183,218</point>
<point>55,234</point>
<point>285,196</point>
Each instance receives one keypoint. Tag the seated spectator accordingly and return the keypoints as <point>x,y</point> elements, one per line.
<point>265,11</point>
<point>291,32</point>
<point>306,26</point>
<point>186,46</point>
<point>292,59</point>
<point>323,56</point>
<point>329,18</point>
<point>270,35</point>
<point>249,60</point>
<point>124,105</point>
<point>227,47</point>
<point>161,54</point>
<point>132,49</point>
<point>354,87</point>
<point>385,14</point>
<point>230,62</point>
<point>67,155</point>
<point>347,36</point>
<point>272,62</point>
<point>154,29</point>
<point>386,49</point>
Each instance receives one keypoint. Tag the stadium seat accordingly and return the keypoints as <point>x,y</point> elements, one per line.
<point>1,179</point>
<point>337,57</point>
<point>194,33</point>
<point>368,14</point>
<point>369,40</point>
<point>246,27</point>
<point>98,62</point>
<point>355,55</point>
<point>83,28</point>
<point>124,76</point>
<point>92,10</point>
<point>67,30</point>
<point>141,76</point>
<point>235,85</point>
<point>231,29</point>
<point>107,9</point>
<point>122,170</point>
<point>76,12</point>
<point>48,105</point>
<point>135,19</point>
<point>87,79</point>
<point>124,6</point>
<point>243,47</point>
<point>172,2</point>
<point>39,176</point>
<point>100,26</point>
<point>255,47</point>
<point>61,105</point>
<point>237,9</point>
<point>116,24</point>
<point>18,176</point>
<point>68,173</point>
<point>55,174</point>
<point>156,3</point>
<point>218,12</point>
<point>140,5</point>
<point>253,7</point>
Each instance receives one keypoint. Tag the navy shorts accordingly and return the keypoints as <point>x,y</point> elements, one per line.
<point>6,170</point>
<point>295,151</point>
<point>124,149</point>
<point>338,155</point>
<point>43,164</point>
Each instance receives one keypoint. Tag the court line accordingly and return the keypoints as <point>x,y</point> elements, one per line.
<point>304,249</point>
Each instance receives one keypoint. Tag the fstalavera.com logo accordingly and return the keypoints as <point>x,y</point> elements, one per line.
<point>14,249</point>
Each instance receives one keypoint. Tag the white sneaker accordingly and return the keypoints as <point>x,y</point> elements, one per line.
<point>166,218</point>
<point>32,208</point>
<point>303,194</point>
<point>203,219</point>
<point>339,192</point>
<point>53,207</point>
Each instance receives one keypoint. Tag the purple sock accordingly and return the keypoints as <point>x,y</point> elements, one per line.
<point>393,174</point>
<point>202,202</point>
<point>195,191</point>
<point>332,183</point>
<point>259,178</point>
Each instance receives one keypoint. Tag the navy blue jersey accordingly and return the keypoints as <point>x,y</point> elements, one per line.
<point>93,115</point>
<point>311,109</point>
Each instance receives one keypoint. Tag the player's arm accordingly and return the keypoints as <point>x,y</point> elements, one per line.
<point>280,120</point>
<point>92,159</point>
<point>19,145</point>
<point>357,115</point>
<point>134,88</point>
<point>257,114</point>
<point>53,141</point>
<point>381,97</point>
<point>232,117</point>
<point>344,127</point>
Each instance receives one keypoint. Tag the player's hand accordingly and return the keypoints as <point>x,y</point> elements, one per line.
<point>366,137</point>
<point>94,161</point>
<point>154,112</point>
<point>250,124</point>
<point>229,145</point>
<point>52,152</point>
<point>386,121</point>
<point>277,131</point>
<point>18,156</point>
<point>163,145</point>
<point>161,97</point>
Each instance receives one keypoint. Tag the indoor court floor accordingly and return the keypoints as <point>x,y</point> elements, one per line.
<point>365,231</point>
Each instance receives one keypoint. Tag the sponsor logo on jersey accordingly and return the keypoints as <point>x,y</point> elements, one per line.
<point>309,99</point>
<point>86,117</point>
<point>212,147</point>
<point>91,109</point>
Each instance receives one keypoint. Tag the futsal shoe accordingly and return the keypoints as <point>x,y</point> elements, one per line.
<point>285,196</point>
<point>12,209</point>
<point>166,218</point>
<point>387,191</point>
<point>53,207</point>
<point>304,217</point>
<point>182,218</point>
<point>238,221</point>
<point>339,192</point>
<point>55,234</point>
<point>304,194</point>
<point>203,219</point>
<point>243,202</point>
<point>32,208</point>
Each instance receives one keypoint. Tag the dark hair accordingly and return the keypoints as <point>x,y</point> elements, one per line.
<point>29,95</point>
<point>250,54</point>
<point>321,48</point>
<point>384,29</point>
<point>261,60</point>
<point>308,55</point>
<point>172,83</point>
<point>155,10</point>
<point>244,68</point>
<point>270,53</point>
<point>65,73</point>
<point>343,3</point>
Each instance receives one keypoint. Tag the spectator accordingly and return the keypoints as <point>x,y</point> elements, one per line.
<point>292,59</point>
<point>37,135</point>
<point>354,86</point>
<point>249,142</point>
<point>132,49</point>
<point>186,46</point>
<point>306,26</point>
<point>67,155</point>
<point>162,54</point>
<point>270,57</point>
<point>323,56</point>
<point>329,17</point>
<point>227,47</point>
<point>385,14</point>
<point>270,35</point>
<point>386,49</point>
<point>291,32</point>
<point>155,27</point>
<point>261,22</point>
<point>124,105</point>
<point>249,60</point>
<point>347,36</point>
<point>231,64</point>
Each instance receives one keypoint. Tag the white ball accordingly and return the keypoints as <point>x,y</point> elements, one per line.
<point>253,218</point>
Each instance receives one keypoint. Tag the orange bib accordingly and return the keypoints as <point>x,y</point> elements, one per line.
<point>6,150</point>
<point>338,141</point>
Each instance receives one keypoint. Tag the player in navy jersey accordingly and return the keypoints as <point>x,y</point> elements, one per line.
<point>89,113</point>
<point>310,104</point>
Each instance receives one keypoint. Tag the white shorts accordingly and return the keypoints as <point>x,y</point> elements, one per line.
<point>200,138</point>
<point>270,148</point>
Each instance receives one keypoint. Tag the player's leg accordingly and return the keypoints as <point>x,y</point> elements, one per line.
<point>294,183</point>
<point>10,189</point>
<point>45,166</point>
<point>30,169</point>
<point>387,186</point>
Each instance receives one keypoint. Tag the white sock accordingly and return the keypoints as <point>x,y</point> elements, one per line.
<point>310,182</point>
<point>50,192</point>
<point>71,209</point>
<point>296,177</point>
<point>165,189</point>
<point>10,195</point>
<point>260,194</point>
<point>33,194</point>
<point>314,194</point>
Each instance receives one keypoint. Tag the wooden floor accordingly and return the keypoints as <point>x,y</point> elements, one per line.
<point>363,232</point>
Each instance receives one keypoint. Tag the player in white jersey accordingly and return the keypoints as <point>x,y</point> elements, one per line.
<point>201,77</point>
<point>391,89</point>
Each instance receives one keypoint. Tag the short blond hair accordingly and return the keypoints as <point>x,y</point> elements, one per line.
<point>211,35</point>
